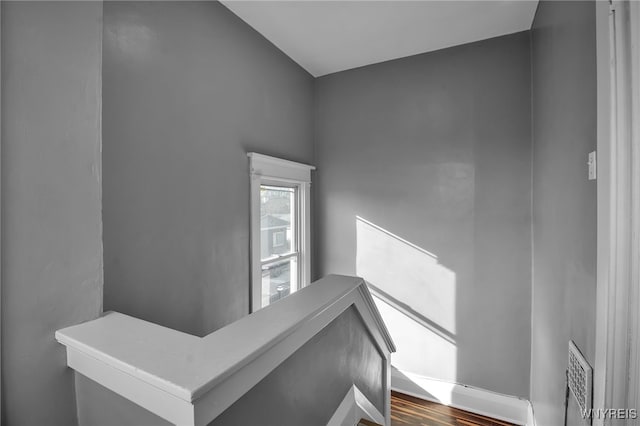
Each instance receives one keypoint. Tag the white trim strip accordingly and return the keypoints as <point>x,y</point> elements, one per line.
<point>279,257</point>
<point>159,402</point>
<point>354,407</point>
<point>604,307</point>
<point>268,167</point>
<point>1,399</point>
<point>486,403</point>
<point>158,368</point>
<point>617,358</point>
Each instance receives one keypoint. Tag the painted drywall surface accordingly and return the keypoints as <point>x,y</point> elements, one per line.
<point>99,406</point>
<point>305,389</point>
<point>564,201</point>
<point>424,190</point>
<point>51,242</point>
<point>189,89</point>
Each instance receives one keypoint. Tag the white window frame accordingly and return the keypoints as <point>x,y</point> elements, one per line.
<point>266,170</point>
<point>279,242</point>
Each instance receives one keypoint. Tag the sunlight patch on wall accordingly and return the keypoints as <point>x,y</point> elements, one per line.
<point>419,349</point>
<point>430,389</point>
<point>416,297</point>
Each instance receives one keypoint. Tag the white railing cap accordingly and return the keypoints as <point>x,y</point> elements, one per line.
<point>188,366</point>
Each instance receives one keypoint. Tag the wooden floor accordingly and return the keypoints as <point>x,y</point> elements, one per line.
<point>409,411</point>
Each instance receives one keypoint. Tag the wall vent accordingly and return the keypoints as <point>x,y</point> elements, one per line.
<point>579,377</point>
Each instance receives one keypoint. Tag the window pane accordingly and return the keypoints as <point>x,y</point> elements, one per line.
<point>279,279</point>
<point>277,217</point>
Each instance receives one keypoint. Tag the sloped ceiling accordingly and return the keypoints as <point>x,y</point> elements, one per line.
<point>330,36</point>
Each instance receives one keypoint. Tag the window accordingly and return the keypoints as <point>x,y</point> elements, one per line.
<point>278,239</point>
<point>280,243</point>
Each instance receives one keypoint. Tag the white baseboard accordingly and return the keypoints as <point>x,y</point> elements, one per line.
<point>354,407</point>
<point>502,407</point>
<point>531,419</point>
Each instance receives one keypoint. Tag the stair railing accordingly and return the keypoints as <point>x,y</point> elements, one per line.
<point>190,380</point>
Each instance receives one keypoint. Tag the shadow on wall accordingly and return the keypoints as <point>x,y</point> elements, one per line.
<point>420,313</point>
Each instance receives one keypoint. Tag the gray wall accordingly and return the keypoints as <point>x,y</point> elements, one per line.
<point>304,390</point>
<point>51,230</point>
<point>435,149</point>
<point>564,201</point>
<point>189,89</point>
<point>99,406</point>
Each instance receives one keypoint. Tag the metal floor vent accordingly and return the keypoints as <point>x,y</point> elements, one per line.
<point>579,377</point>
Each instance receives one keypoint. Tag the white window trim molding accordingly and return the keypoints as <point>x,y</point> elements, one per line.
<point>617,359</point>
<point>264,169</point>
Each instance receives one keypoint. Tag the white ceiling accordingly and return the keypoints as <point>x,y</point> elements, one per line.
<point>330,36</point>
